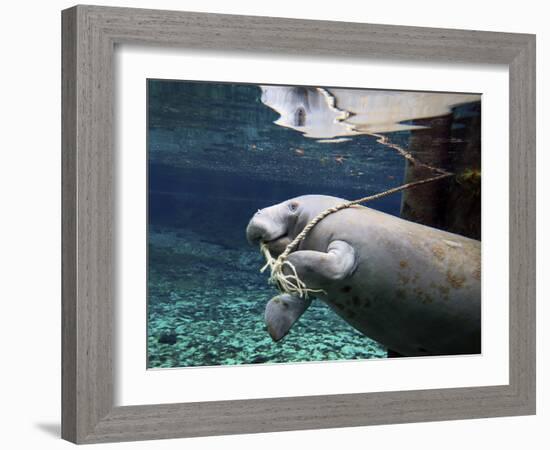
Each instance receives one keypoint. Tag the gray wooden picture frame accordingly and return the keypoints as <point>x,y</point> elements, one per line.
<point>90,34</point>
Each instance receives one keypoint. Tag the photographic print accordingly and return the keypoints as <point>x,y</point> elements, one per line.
<point>292,224</point>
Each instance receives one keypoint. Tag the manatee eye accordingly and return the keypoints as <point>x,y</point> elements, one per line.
<point>293,206</point>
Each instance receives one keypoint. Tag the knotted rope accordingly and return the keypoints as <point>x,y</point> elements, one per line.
<point>291,283</point>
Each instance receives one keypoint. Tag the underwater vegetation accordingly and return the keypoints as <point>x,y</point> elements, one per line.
<point>215,156</point>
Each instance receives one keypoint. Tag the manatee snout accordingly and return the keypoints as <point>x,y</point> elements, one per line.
<point>255,231</point>
<point>262,228</point>
<point>265,227</point>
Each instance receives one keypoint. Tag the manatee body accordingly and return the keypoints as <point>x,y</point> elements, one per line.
<point>413,288</point>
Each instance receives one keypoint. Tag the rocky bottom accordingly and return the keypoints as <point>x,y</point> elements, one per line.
<point>206,301</point>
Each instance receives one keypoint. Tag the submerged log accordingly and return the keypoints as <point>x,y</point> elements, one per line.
<point>453,143</point>
<point>426,204</point>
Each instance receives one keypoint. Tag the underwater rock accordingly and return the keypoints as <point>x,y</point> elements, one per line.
<point>259,360</point>
<point>170,339</point>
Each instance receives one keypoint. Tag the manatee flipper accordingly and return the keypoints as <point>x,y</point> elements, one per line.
<point>316,268</point>
<point>281,312</point>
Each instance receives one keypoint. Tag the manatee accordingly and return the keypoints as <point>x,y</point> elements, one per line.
<point>413,288</point>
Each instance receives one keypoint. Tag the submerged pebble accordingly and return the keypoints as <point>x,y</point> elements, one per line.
<point>168,339</point>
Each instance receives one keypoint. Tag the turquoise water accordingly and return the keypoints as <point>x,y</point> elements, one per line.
<point>215,156</point>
